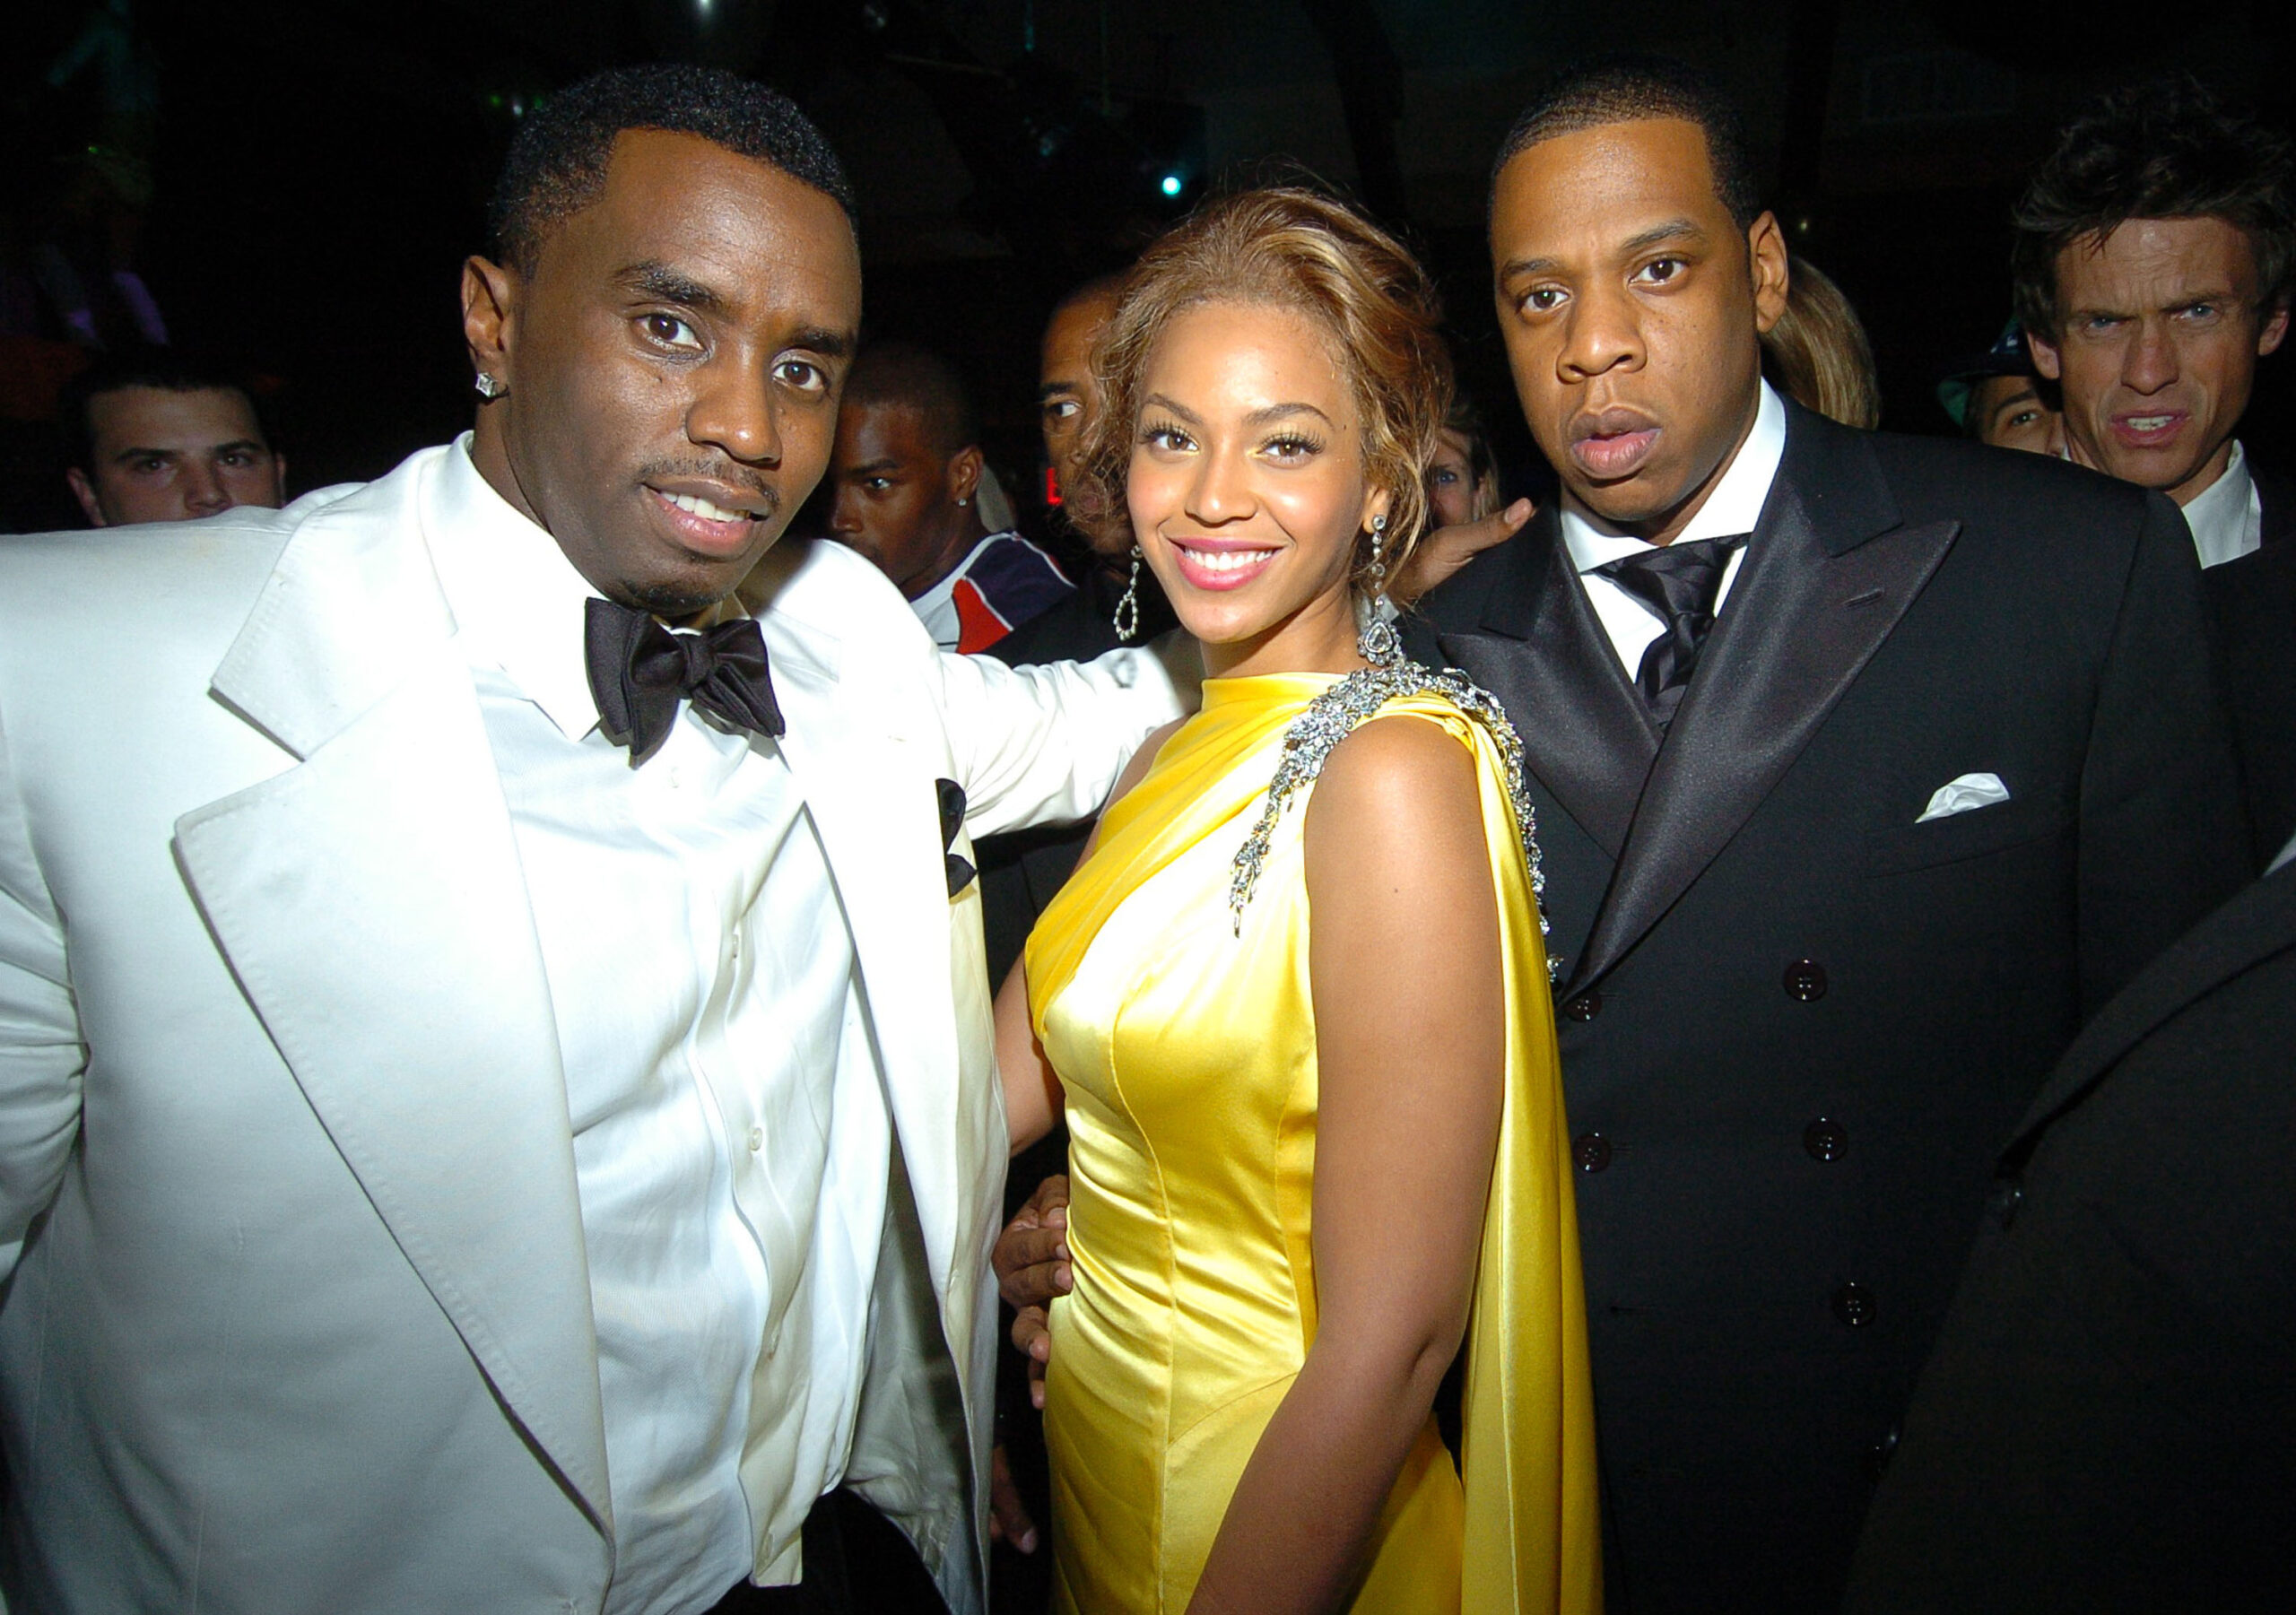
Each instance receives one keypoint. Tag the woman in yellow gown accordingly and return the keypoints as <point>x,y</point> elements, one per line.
<point>1295,1004</point>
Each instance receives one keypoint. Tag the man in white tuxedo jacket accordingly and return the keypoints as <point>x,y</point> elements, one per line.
<point>445,1163</point>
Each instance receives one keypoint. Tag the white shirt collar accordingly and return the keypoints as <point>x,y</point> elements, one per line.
<point>1733,506</point>
<point>2226,517</point>
<point>517,601</point>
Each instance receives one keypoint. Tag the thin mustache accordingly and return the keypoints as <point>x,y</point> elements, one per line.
<point>732,475</point>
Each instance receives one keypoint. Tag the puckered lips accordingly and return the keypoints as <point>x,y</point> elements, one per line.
<point>1220,564</point>
<point>1614,443</point>
<point>706,516</point>
<point>2149,428</point>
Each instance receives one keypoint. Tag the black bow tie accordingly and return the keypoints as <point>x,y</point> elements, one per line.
<point>639,671</point>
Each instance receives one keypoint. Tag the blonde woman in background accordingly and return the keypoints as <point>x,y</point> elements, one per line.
<point>1817,353</point>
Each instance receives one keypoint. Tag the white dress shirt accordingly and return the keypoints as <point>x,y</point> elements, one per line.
<point>702,978</point>
<point>1733,506</point>
<point>2226,517</point>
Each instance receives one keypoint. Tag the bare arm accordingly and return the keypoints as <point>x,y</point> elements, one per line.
<point>1410,1046</point>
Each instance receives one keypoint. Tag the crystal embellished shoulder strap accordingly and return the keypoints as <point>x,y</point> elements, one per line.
<point>1336,714</point>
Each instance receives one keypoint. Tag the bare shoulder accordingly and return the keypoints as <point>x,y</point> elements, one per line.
<point>1400,764</point>
<point>1397,802</point>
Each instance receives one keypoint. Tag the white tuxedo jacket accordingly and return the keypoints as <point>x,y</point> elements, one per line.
<point>297,1314</point>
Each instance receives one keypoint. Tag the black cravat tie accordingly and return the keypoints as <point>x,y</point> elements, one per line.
<point>639,671</point>
<point>1676,583</point>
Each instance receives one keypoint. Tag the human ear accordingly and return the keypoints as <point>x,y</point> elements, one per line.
<point>2275,328</point>
<point>84,492</point>
<point>964,472</point>
<point>2045,358</point>
<point>490,317</point>
<point>1765,257</point>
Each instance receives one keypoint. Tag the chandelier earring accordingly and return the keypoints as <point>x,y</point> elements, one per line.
<point>1375,635</point>
<point>1127,609</point>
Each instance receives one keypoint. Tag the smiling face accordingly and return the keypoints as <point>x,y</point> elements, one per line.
<point>896,491</point>
<point>1246,487</point>
<point>671,365</point>
<point>2158,336</point>
<point>160,455</point>
<point>1633,308</point>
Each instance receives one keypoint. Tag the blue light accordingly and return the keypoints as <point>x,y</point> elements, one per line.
<point>1171,186</point>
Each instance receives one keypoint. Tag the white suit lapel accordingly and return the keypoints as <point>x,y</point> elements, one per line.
<point>371,904</point>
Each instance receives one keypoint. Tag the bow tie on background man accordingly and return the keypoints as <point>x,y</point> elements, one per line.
<point>639,671</point>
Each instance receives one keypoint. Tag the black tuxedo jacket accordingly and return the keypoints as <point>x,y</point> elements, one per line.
<point>2109,1421</point>
<point>1796,1023</point>
<point>2255,602</point>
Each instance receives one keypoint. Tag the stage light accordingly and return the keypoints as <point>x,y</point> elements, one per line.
<point>1171,186</point>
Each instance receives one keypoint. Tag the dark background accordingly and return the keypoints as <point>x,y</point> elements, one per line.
<point>318,168</point>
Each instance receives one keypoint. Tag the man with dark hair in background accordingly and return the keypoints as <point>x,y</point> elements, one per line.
<point>150,436</point>
<point>1866,768</point>
<point>497,1102</point>
<point>2155,256</point>
<point>905,480</point>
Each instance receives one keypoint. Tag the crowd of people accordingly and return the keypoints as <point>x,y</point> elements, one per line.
<point>523,978</point>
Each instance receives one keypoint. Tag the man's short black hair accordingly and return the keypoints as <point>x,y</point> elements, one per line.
<point>557,162</point>
<point>2166,150</point>
<point>904,375</point>
<point>1628,89</point>
<point>163,369</point>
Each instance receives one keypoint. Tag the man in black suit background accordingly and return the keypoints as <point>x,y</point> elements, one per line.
<point>2109,1421</point>
<point>2153,257</point>
<point>1866,768</point>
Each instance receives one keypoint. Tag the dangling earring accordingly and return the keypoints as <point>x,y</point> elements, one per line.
<point>488,387</point>
<point>1127,610</point>
<point>1376,637</point>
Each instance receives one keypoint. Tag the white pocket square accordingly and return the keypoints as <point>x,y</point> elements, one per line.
<point>1959,796</point>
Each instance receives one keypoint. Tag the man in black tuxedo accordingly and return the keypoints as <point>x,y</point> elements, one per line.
<point>2109,1421</point>
<point>1865,769</point>
<point>2154,254</point>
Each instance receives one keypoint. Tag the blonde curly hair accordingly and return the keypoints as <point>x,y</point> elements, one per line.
<point>1288,246</point>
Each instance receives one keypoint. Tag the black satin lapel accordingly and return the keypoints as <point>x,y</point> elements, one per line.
<point>1584,732</point>
<point>1799,627</point>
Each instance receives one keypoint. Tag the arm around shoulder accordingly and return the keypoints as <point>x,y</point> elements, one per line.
<point>1044,745</point>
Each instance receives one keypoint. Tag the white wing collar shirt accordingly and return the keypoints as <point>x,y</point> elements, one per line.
<point>703,980</point>
<point>1733,506</point>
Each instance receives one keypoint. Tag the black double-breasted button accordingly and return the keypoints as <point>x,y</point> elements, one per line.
<point>1854,1306</point>
<point>1591,1150</point>
<point>2004,1199</point>
<point>1805,981</point>
<point>1826,1139</point>
<point>1585,1006</point>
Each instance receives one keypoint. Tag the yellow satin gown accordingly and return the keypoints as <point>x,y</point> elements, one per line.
<point>1184,1040</point>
